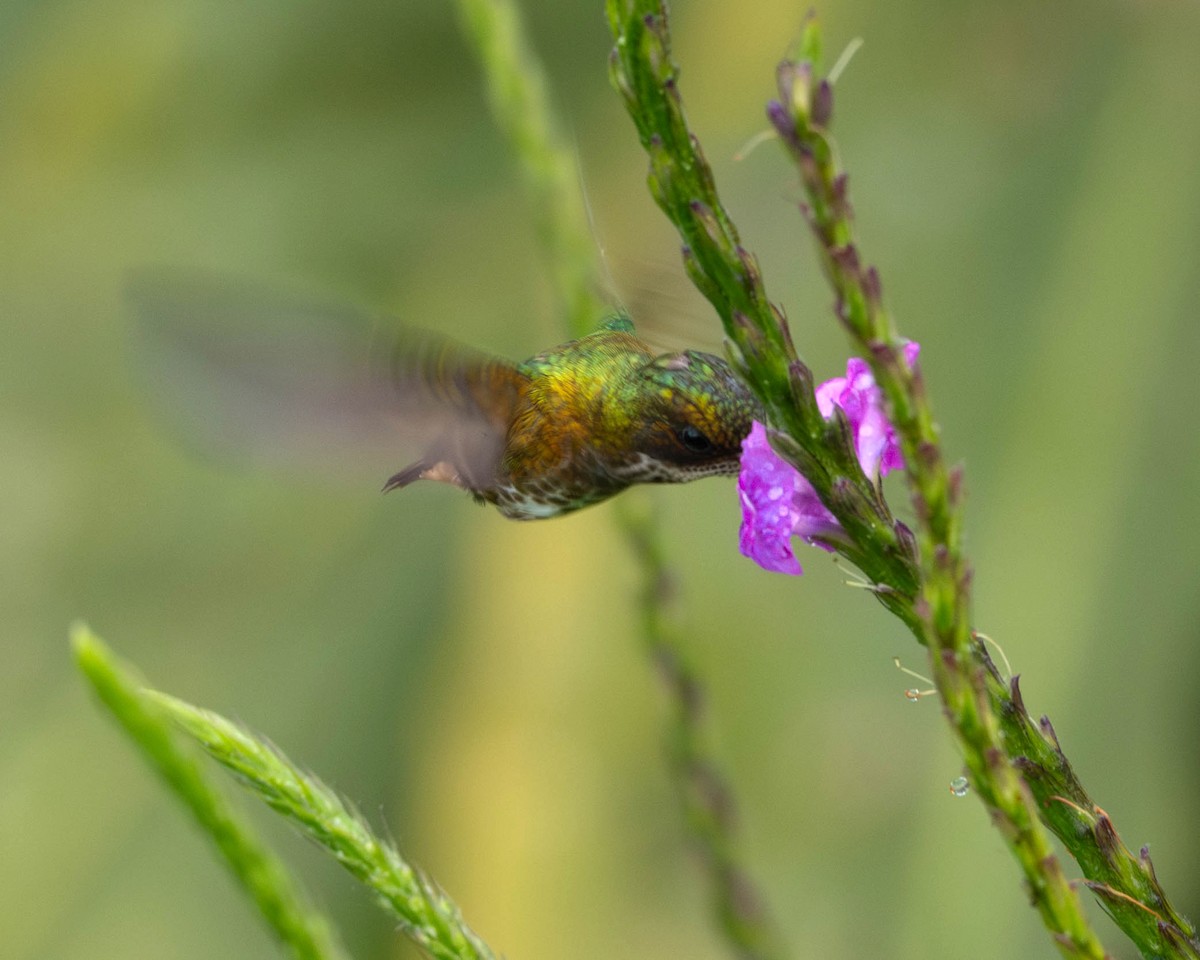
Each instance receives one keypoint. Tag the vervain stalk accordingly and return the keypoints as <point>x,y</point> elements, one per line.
<point>1016,767</point>
<point>516,86</point>
<point>995,731</point>
<point>728,275</point>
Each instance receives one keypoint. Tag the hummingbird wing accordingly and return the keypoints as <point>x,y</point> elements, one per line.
<point>264,379</point>
<point>670,314</point>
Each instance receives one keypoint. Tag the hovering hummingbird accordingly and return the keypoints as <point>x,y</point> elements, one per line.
<point>567,428</point>
<point>578,423</point>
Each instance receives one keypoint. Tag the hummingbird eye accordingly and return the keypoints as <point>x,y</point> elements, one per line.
<point>695,440</point>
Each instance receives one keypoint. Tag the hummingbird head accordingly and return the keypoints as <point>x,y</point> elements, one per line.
<point>696,413</point>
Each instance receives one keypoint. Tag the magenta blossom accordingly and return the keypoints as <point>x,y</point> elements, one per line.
<point>778,503</point>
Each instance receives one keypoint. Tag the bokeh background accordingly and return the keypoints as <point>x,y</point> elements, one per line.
<point>1026,178</point>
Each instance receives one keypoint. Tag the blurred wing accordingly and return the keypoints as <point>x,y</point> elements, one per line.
<point>670,314</point>
<point>332,391</point>
<point>474,396</point>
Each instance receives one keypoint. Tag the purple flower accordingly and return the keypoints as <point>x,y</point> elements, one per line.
<point>767,487</point>
<point>778,503</point>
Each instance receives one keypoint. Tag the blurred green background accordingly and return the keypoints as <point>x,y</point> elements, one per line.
<point>1026,178</point>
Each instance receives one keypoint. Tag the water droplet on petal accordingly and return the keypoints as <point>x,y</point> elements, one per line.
<point>959,786</point>
<point>775,493</point>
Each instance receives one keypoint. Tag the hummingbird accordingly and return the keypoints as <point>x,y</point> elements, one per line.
<point>575,424</point>
<point>267,378</point>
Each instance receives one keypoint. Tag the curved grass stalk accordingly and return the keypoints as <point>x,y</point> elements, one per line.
<point>305,932</point>
<point>423,912</point>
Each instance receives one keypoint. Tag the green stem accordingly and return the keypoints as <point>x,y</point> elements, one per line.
<point>1017,767</point>
<point>703,792</point>
<point>517,87</point>
<point>801,116</point>
<point>682,184</point>
<point>304,931</point>
<point>424,913</point>
<point>924,582</point>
